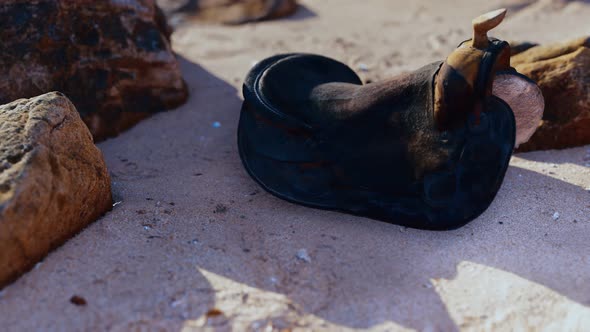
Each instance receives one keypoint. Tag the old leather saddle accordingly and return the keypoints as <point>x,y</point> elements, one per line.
<point>399,151</point>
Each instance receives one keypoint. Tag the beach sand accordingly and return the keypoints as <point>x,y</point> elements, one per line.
<point>194,244</point>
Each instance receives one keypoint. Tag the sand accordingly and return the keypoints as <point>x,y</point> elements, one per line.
<point>194,244</point>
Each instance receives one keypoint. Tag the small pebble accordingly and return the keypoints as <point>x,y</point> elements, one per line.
<point>363,67</point>
<point>78,300</point>
<point>176,303</point>
<point>147,228</point>
<point>303,255</point>
<point>556,216</point>
<point>5,165</point>
<point>436,42</point>
<point>216,124</point>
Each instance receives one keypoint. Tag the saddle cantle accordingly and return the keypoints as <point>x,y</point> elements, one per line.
<point>428,149</point>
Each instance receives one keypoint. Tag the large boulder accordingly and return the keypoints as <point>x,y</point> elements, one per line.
<point>228,11</point>
<point>53,180</point>
<point>112,58</point>
<point>562,71</point>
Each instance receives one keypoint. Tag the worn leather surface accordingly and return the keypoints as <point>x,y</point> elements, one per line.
<point>312,134</point>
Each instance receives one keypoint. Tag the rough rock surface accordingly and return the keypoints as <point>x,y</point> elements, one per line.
<point>562,72</point>
<point>111,58</point>
<point>53,180</point>
<point>229,11</point>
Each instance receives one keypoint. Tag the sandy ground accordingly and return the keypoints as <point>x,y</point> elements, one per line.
<point>195,244</point>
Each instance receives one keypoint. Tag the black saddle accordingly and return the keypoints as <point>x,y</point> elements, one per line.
<point>311,133</point>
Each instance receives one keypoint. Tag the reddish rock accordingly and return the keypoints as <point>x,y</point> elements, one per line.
<point>111,58</point>
<point>547,52</point>
<point>229,11</point>
<point>53,180</point>
<point>562,71</point>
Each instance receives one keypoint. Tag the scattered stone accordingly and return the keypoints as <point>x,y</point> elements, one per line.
<point>556,216</point>
<point>54,184</point>
<point>114,61</point>
<point>227,11</point>
<point>363,67</point>
<point>78,300</point>
<point>561,71</point>
<point>220,208</point>
<point>214,313</point>
<point>303,255</point>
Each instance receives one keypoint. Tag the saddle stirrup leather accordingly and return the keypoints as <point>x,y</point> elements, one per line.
<point>428,149</point>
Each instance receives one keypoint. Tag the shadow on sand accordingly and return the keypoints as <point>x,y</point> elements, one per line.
<point>189,210</point>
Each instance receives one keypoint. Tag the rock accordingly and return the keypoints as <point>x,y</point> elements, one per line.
<point>228,11</point>
<point>112,58</point>
<point>562,72</point>
<point>547,52</point>
<point>53,180</point>
<point>517,47</point>
<point>303,255</point>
